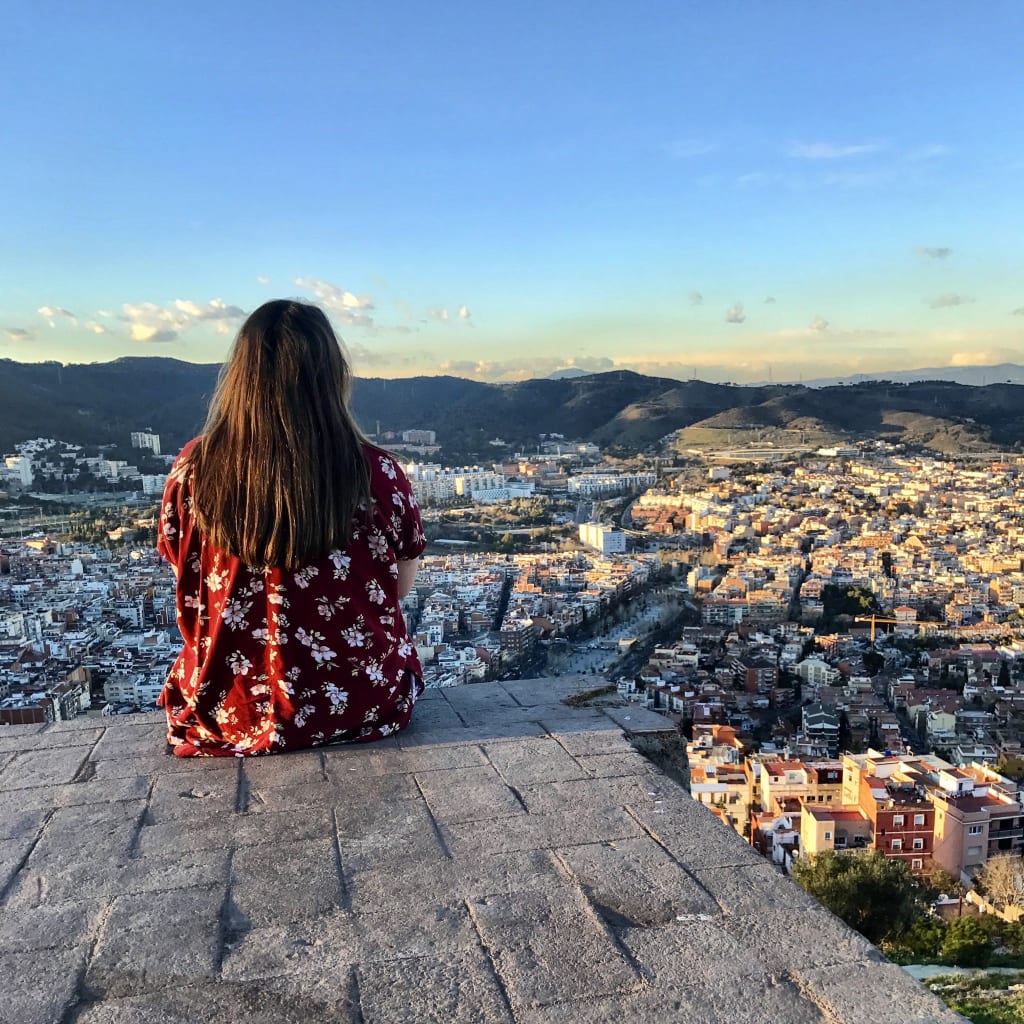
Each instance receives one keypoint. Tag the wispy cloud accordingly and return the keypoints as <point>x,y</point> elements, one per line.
<point>933,252</point>
<point>819,325</point>
<point>348,307</point>
<point>51,314</point>
<point>96,328</point>
<point>948,299</point>
<point>1019,311</point>
<point>17,333</point>
<point>734,314</point>
<point>683,149</point>
<point>831,150</point>
<point>526,368</point>
<point>769,300</point>
<point>149,323</point>
<point>695,298</point>
<point>932,152</point>
<point>263,280</point>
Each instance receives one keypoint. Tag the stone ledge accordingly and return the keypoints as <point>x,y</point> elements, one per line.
<point>509,858</point>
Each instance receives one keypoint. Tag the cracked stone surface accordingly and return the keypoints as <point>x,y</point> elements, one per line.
<point>509,858</point>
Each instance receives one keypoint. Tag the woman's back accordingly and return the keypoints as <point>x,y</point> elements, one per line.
<point>277,659</point>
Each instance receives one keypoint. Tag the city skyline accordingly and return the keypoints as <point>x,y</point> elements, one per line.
<point>737,194</point>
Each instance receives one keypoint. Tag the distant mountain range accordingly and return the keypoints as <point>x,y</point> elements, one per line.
<point>976,376</point>
<point>99,402</point>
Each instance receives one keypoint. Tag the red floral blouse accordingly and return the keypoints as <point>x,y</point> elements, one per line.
<point>276,659</point>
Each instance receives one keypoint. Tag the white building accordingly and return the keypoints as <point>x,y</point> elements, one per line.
<point>144,439</point>
<point>153,484</point>
<point>19,469</point>
<point>605,539</point>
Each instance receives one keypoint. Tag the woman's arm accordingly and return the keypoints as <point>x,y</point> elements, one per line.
<point>407,575</point>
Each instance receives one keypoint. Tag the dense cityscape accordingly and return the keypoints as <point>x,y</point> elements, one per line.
<point>836,633</point>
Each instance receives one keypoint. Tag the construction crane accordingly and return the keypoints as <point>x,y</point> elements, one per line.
<point>878,618</point>
<point>921,626</point>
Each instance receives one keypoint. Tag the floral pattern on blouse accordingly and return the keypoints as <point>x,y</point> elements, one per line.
<point>277,659</point>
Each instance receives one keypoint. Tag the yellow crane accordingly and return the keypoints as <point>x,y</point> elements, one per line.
<point>878,618</point>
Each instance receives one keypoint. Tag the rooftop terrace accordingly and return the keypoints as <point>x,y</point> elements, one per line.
<point>509,858</point>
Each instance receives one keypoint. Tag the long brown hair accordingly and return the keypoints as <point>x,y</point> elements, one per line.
<point>280,471</point>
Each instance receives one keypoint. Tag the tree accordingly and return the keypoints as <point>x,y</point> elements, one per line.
<point>1002,880</point>
<point>874,895</point>
<point>967,943</point>
<point>1004,674</point>
<point>924,938</point>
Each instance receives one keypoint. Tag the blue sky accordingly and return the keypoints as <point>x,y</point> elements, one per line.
<point>736,189</point>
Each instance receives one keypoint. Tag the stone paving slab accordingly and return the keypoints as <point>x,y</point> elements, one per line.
<point>38,988</point>
<point>634,882</point>
<point>222,1002</point>
<point>550,947</point>
<point>539,831</point>
<point>153,939</point>
<point>43,767</point>
<point>57,926</point>
<point>172,838</point>
<point>529,763</point>
<point>874,994</point>
<point>429,881</point>
<point>446,990</point>
<point>468,794</point>
<point>508,858</point>
<point>303,877</point>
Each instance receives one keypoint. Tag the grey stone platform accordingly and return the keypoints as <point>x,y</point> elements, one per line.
<point>508,858</point>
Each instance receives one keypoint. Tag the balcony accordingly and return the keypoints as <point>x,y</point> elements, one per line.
<point>507,859</point>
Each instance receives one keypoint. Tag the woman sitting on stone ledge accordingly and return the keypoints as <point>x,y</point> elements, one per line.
<point>293,540</point>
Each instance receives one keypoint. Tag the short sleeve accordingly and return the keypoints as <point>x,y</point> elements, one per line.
<point>397,506</point>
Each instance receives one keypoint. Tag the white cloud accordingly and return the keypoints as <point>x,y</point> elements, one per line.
<point>17,333</point>
<point>831,151</point>
<point>526,368</point>
<point>92,325</point>
<point>348,307</point>
<point>150,323</point>
<point>819,324</point>
<point>933,252</point>
<point>439,313</point>
<point>948,299</point>
<point>263,280</point>
<point>734,314</point>
<point>52,313</point>
<point>464,313</point>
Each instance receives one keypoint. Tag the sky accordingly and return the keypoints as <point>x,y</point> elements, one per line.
<point>737,190</point>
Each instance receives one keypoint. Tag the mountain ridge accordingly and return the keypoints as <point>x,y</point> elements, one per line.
<point>93,403</point>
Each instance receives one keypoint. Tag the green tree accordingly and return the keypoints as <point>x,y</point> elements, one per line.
<point>924,937</point>
<point>874,895</point>
<point>967,943</point>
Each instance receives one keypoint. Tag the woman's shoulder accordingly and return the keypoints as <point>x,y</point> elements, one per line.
<point>182,465</point>
<point>385,469</point>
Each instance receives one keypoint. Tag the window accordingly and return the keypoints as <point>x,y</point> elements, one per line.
<point>897,819</point>
<point>974,830</point>
<point>897,844</point>
<point>828,835</point>
<point>918,844</point>
<point>918,819</point>
<point>916,864</point>
<point>973,851</point>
